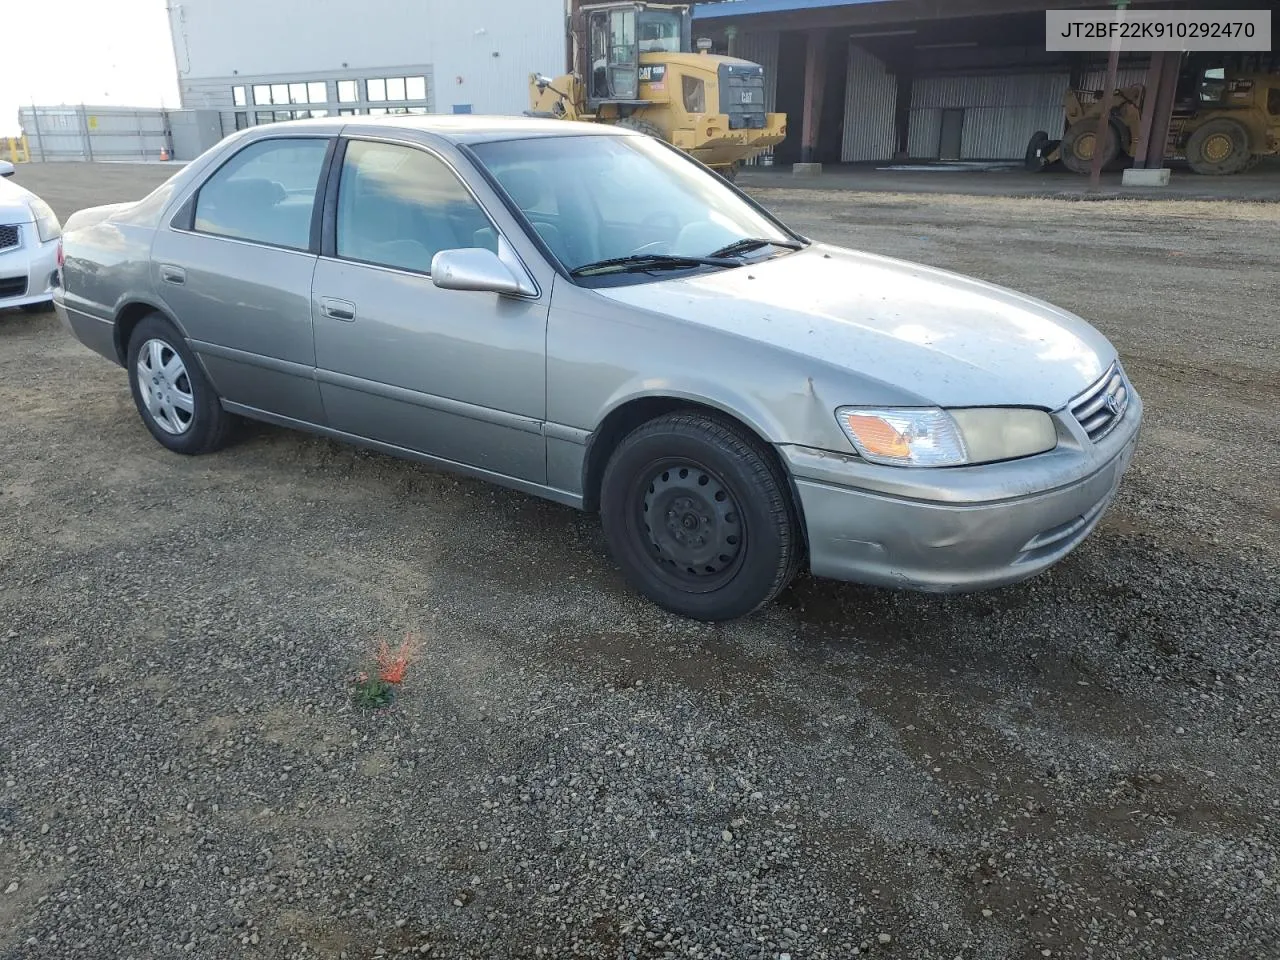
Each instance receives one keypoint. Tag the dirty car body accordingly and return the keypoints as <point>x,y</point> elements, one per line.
<point>584,314</point>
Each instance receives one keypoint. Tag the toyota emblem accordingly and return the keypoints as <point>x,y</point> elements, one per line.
<point>1112,404</point>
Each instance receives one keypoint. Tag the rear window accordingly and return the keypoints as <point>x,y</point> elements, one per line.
<point>266,193</point>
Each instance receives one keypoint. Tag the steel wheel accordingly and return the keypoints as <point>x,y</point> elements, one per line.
<point>165,387</point>
<point>695,530</point>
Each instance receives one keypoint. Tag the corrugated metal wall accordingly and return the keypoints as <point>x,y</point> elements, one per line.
<point>1001,113</point>
<point>95,133</point>
<point>762,47</point>
<point>871,100</point>
<point>1125,77</point>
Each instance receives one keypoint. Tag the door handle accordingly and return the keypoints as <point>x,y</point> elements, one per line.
<point>171,274</point>
<point>338,309</point>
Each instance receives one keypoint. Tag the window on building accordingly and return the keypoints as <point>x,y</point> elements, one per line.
<point>265,193</point>
<point>348,91</point>
<point>239,96</point>
<point>317,92</point>
<point>399,206</point>
<point>261,94</point>
<point>279,93</point>
<point>282,115</point>
<point>242,119</point>
<point>319,113</point>
<point>347,112</point>
<point>263,116</point>
<point>297,93</point>
<point>417,109</point>
<point>377,111</point>
<point>397,88</point>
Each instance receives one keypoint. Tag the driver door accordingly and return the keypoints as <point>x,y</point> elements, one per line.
<point>614,55</point>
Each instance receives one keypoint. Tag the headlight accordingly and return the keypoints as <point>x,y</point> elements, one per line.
<point>47,225</point>
<point>933,437</point>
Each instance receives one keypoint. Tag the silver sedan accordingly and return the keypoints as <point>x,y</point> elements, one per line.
<point>584,313</point>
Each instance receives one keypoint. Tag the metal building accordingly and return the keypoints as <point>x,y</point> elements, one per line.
<point>879,80</point>
<point>259,61</point>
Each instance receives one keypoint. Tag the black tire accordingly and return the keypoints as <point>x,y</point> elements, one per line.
<point>204,428</point>
<point>1037,150</point>
<point>1081,140</point>
<point>729,542</point>
<point>641,126</point>
<point>730,172</point>
<point>1219,148</point>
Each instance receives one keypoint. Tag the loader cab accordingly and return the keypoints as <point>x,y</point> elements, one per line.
<point>617,34</point>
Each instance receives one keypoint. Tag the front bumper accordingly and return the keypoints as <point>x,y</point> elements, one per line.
<point>961,529</point>
<point>29,271</point>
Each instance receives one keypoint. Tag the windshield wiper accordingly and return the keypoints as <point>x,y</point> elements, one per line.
<point>641,262</point>
<point>747,244</point>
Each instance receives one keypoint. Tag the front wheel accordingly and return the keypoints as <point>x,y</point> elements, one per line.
<point>174,398</point>
<point>699,517</point>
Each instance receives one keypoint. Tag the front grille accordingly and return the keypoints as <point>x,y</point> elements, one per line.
<point>1102,406</point>
<point>742,95</point>
<point>13,287</point>
<point>8,235</point>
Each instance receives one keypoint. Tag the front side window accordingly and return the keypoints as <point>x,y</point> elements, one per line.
<point>567,187</point>
<point>659,31</point>
<point>399,206</point>
<point>265,193</point>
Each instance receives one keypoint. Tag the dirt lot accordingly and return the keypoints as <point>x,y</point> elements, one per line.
<point>1086,765</point>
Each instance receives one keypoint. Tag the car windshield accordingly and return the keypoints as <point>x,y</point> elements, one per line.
<point>603,198</point>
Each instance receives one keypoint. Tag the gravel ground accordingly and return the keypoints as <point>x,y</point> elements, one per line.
<point>1081,766</point>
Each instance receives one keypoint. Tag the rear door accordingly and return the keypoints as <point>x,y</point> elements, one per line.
<point>457,375</point>
<point>235,269</point>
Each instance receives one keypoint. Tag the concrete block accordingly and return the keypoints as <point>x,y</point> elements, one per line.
<point>1134,177</point>
<point>806,169</point>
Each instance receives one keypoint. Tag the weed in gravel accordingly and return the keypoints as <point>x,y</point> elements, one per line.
<point>376,687</point>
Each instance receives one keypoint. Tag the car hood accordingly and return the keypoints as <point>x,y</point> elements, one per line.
<point>949,339</point>
<point>13,203</point>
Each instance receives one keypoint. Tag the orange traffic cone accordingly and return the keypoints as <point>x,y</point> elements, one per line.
<point>164,153</point>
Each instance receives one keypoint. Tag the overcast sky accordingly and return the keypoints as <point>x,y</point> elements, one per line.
<point>85,51</point>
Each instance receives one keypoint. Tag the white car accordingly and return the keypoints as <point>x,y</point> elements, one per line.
<point>30,246</point>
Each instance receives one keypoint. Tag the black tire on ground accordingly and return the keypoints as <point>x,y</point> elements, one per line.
<point>1254,160</point>
<point>1219,148</point>
<point>730,172</point>
<point>641,126</point>
<point>1037,150</point>
<point>1081,141</point>
<point>700,517</point>
<point>173,388</point>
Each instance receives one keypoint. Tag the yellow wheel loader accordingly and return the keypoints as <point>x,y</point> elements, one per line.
<point>633,66</point>
<point>1225,123</point>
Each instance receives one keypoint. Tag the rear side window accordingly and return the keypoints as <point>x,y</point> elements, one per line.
<point>265,193</point>
<point>399,206</point>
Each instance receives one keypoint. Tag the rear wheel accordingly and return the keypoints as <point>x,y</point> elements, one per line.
<point>174,398</point>
<point>1081,142</point>
<point>1219,148</point>
<point>699,517</point>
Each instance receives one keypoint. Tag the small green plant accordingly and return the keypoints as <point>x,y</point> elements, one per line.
<point>371,693</point>
<point>376,687</point>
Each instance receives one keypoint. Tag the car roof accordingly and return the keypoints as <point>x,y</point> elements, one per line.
<point>457,128</point>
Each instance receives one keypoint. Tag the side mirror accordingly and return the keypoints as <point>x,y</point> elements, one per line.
<point>474,269</point>
<point>6,169</point>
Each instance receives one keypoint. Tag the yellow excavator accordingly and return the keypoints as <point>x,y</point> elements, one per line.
<point>633,65</point>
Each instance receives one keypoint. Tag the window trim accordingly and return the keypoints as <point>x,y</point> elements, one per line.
<point>184,220</point>
<point>328,245</point>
